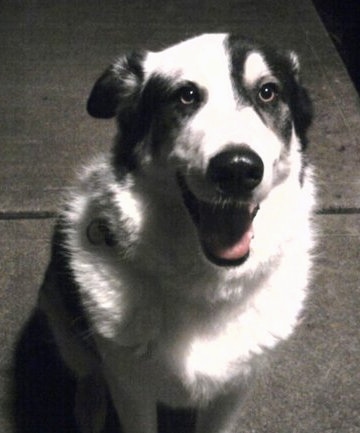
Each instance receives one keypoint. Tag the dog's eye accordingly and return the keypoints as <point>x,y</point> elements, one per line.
<point>268,92</point>
<point>188,95</point>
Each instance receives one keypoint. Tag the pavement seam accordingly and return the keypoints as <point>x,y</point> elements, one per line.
<point>41,215</point>
<point>27,215</point>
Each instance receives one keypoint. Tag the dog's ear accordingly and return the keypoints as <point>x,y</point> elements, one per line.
<point>118,87</point>
<point>300,104</point>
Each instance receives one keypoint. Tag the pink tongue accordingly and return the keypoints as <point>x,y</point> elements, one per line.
<point>226,232</point>
<point>235,251</point>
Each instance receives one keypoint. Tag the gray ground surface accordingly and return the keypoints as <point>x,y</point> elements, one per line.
<point>51,53</point>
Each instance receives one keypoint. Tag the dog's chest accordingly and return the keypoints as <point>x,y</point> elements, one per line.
<point>201,350</point>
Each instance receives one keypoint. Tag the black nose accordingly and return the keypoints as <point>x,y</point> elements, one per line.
<point>236,171</point>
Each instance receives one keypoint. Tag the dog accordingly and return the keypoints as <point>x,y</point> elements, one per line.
<point>184,254</point>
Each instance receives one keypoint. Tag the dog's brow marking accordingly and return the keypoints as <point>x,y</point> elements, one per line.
<point>255,67</point>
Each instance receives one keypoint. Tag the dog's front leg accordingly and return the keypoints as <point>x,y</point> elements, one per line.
<point>90,404</point>
<point>221,414</point>
<point>137,414</point>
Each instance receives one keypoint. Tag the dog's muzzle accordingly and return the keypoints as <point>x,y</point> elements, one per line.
<point>224,224</point>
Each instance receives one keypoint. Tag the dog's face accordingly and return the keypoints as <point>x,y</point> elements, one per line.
<point>218,116</point>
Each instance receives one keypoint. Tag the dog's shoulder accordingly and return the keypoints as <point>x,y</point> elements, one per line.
<point>92,254</point>
<point>101,210</point>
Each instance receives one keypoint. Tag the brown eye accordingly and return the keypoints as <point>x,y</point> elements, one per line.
<point>189,95</point>
<point>268,92</point>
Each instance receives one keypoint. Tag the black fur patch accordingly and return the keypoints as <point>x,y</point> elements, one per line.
<point>156,121</point>
<point>293,102</point>
<point>117,87</point>
<point>163,96</point>
<point>59,278</point>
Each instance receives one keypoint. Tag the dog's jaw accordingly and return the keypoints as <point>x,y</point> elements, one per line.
<point>224,228</point>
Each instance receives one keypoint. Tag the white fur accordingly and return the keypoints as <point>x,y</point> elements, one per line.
<point>174,61</point>
<point>169,325</point>
<point>255,68</point>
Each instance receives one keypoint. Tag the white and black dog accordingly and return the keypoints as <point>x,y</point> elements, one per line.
<point>185,253</point>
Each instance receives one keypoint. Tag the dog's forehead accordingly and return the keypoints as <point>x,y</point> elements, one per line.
<point>194,59</point>
<point>208,57</point>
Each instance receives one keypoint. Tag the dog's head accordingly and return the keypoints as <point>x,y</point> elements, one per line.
<point>222,116</point>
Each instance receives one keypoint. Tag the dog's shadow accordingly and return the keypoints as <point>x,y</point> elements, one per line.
<point>44,389</point>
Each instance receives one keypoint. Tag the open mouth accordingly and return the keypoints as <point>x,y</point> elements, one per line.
<point>224,227</point>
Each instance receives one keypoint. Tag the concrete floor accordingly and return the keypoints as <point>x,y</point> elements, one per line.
<point>51,52</point>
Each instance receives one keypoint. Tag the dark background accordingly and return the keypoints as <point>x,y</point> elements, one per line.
<point>342,21</point>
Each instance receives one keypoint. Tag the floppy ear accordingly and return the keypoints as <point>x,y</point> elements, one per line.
<point>303,113</point>
<point>118,87</point>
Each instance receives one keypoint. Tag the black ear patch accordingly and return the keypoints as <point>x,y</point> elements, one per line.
<point>117,87</point>
<point>302,109</point>
<point>103,99</point>
<point>300,102</point>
